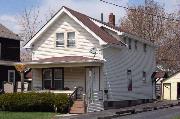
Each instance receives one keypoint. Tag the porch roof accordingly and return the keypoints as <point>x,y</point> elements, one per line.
<point>66,61</point>
<point>7,63</point>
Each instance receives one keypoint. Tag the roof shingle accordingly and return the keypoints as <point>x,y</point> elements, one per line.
<point>6,33</point>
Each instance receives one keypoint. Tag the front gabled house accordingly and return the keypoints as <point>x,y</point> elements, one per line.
<point>9,54</point>
<point>114,68</point>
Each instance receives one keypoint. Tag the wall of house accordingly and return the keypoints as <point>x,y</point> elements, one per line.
<point>10,49</point>
<point>4,74</point>
<point>173,82</point>
<point>74,77</point>
<point>118,61</point>
<point>45,46</point>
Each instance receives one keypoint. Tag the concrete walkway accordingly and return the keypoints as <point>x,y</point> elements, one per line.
<point>112,113</point>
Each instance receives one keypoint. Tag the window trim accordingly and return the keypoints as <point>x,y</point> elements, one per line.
<point>145,47</point>
<point>60,40</point>
<point>71,39</point>
<point>53,78</point>
<point>129,43</point>
<point>12,71</point>
<point>129,77</point>
<point>135,44</point>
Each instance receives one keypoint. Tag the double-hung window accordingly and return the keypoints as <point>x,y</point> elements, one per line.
<point>11,76</point>
<point>47,77</point>
<point>71,39</point>
<point>58,79</point>
<point>59,39</point>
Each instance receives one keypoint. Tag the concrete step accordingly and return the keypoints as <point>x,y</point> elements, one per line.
<point>77,107</point>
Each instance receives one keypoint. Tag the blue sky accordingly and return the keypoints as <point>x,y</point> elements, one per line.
<point>11,9</point>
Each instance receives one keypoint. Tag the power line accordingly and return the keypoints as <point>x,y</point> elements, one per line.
<point>137,11</point>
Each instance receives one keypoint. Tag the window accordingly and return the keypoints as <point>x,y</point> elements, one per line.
<point>125,40</point>
<point>11,76</point>
<point>129,77</point>
<point>70,39</point>
<point>144,76</point>
<point>47,76</point>
<point>145,47</point>
<point>59,39</point>
<point>129,43</point>
<point>58,79</point>
<point>53,78</point>
<point>135,44</point>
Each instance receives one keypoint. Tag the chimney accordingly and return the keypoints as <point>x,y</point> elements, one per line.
<point>111,19</point>
<point>102,17</point>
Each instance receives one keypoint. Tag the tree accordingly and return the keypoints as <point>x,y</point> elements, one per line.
<point>149,22</point>
<point>30,21</point>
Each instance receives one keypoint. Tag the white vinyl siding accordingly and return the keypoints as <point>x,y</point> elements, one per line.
<point>45,46</point>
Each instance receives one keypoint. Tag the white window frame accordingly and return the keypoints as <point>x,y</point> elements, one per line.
<point>60,40</point>
<point>11,71</point>
<point>47,79</point>
<point>71,39</point>
<point>58,79</point>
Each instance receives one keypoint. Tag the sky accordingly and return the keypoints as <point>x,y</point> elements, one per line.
<point>10,10</point>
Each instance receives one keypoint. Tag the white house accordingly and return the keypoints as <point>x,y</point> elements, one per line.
<point>171,87</point>
<point>113,67</point>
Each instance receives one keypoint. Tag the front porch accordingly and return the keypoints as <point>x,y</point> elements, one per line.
<point>63,74</point>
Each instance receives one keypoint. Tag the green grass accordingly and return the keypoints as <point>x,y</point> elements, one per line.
<point>177,117</point>
<point>26,115</point>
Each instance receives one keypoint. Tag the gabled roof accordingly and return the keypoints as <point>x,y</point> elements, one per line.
<point>85,21</point>
<point>6,33</point>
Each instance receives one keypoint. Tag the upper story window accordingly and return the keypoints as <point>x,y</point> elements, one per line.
<point>59,39</point>
<point>135,44</point>
<point>145,47</point>
<point>144,76</point>
<point>71,39</point>
<point>129,43</point>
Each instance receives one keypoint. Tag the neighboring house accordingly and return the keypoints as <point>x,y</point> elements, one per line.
<point>9,54</point>
<point>171,87</point>
<point>158,79</point>
<point>72,49</point>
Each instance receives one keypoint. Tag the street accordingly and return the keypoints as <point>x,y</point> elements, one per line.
<point>167,113</point>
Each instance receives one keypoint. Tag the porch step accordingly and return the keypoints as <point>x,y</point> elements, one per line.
<point>78,107</point>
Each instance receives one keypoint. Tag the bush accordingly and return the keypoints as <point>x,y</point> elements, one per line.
<point>44,102</point>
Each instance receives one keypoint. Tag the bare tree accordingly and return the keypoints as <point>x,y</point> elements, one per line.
<point>150,22</point>
<point>30,21</point>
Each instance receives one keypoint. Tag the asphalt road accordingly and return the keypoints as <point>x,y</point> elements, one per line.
<point>167,113</point>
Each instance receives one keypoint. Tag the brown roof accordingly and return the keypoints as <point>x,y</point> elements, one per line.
<point>160,74</point>
<point>6,33</point>
<point>93,27</point>
<point>67,59</point>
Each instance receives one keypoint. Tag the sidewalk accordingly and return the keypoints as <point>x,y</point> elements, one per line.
<point>111,113</point>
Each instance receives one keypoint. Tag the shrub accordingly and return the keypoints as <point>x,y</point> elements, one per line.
<point>44,102</point>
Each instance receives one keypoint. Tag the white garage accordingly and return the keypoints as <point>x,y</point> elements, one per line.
<point>171,87</point>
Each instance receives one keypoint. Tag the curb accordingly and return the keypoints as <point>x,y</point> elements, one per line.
<point>134,111</point>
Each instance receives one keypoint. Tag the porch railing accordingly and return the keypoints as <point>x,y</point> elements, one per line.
<point>77,94</point>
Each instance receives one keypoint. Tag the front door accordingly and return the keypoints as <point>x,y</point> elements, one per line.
<point>92,81</point>
<point>178,91</point>
<point>167,91</point>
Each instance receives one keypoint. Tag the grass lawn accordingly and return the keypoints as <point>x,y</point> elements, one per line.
<point>26,115</point>
<point>177,117</point>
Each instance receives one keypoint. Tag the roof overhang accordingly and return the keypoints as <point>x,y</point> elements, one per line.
<point>7,63</point>
<point>62,64</point>
<point>51,21</point>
